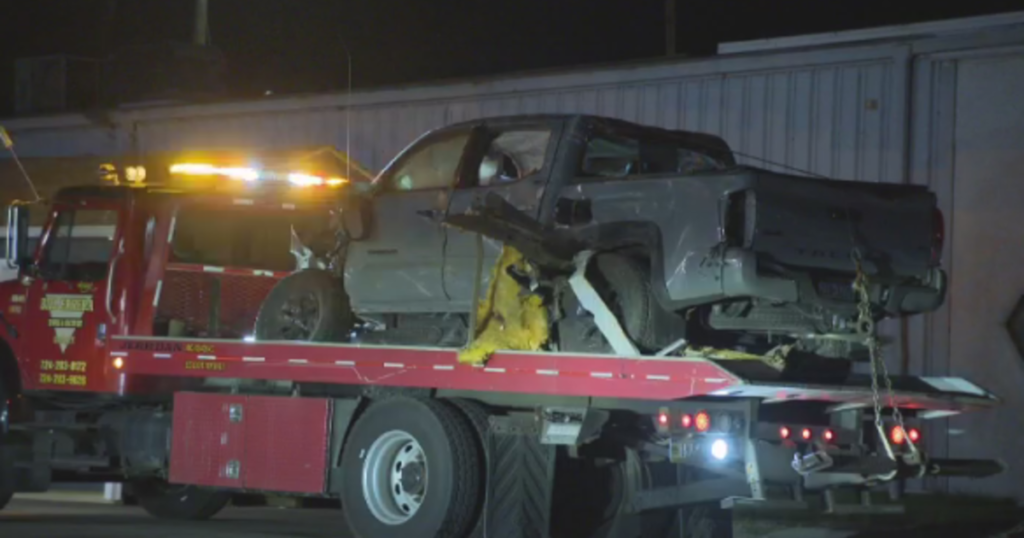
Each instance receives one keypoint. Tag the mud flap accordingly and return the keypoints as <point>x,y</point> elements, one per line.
<point>521,478</point>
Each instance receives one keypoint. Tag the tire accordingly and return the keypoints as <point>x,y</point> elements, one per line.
<point>478,417</point>
<point>184,503</point>
<point>428,438</point>
<point>313,297</point>
<point>6,456</point>
<point>625,285</point>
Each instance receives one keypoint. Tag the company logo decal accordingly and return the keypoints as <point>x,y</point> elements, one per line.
<point>66,312</point>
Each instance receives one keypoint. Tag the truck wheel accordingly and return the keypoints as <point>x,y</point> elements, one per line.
<point>170,501</point>
<point>6,454</point>
<point>411,468</point>
<point>310,305</point>
<point>478,416</point>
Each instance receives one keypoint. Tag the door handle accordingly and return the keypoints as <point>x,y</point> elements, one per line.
<point>433,215</point>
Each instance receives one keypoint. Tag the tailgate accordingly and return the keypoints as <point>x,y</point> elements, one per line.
<point>815,223</point>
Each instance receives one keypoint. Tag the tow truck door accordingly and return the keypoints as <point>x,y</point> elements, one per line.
<point>68,310</point>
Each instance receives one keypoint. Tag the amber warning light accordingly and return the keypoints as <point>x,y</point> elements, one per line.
<point>250,175</point>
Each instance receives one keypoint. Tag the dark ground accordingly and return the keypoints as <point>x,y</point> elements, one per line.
<point>52,519</point>
<point>45,519</point>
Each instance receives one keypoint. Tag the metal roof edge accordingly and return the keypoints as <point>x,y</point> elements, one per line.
<point>881,33</point>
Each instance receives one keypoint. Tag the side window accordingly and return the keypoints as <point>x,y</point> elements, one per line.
<point>71,253</point>
<point>615,157</point>
<point>431,166</point>
<point>233,238</point>
<point>514,155</point>
<point>606,157</point>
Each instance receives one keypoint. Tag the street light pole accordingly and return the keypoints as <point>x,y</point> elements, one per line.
<point>200,30</point>
<point>348,112</point>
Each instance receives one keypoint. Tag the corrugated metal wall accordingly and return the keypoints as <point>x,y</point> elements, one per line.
<point>834,119</point>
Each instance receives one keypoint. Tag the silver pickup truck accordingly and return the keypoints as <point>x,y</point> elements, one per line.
<point>689,243</point>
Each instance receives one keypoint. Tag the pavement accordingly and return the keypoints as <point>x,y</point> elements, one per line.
<point>28,517</point>
<point>87,515</point>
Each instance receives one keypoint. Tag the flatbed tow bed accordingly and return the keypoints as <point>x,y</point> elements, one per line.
<point>559,374</point>
<point>788,441</point>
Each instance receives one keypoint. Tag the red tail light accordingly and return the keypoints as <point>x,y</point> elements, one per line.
<point>784,432</point>
<point>896,435</point>
<point>828,436</point>
<point>938,235</point>
<point>806,434</point>
<point>702,421</point>
<point>663,419</point>
<point>914,435</point>
<point>687,421</point>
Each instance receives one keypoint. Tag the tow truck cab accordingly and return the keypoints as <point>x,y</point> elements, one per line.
<point>171,263</point>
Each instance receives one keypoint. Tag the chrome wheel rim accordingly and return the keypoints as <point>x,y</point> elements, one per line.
<point>394,477</point>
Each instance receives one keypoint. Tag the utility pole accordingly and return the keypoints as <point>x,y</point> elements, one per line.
<point>200,31</point>
<point>670,27</point>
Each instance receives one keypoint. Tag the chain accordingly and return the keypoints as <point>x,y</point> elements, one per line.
<point>867,331</point>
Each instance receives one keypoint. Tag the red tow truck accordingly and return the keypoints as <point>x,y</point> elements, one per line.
<point>134,364</point>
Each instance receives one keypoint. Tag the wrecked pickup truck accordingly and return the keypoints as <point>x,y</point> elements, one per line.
<point>687,244</point>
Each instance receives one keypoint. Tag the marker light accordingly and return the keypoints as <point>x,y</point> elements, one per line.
<point>828,435</point>
<point>687,421</point>
<point>719,449</point>
<point>118,363</point>
<point>135,174</point>
<point>914,434</point>
<point>806,434</point>
<point>896,435</point>
<point>703,421</point>
<point>784,432</point>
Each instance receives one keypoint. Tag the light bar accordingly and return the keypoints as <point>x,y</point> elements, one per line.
<point>298,179</point>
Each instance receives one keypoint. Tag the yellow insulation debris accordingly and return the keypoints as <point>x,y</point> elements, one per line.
<point>776,358</point>
<point>507,318</point>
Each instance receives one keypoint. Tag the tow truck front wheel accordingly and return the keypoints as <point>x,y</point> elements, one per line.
<point>171,501</point>
<point>310,305</point>
<point>411,468</point>
<point>6,454</point>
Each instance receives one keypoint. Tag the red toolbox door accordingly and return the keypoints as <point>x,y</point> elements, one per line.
<point>286,444</point>
<point>266,443</point>
<point>208,440</point>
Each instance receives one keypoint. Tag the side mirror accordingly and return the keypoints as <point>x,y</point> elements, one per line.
<point>357,217</point>
<point>17,236</point>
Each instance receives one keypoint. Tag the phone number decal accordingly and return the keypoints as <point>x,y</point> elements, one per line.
<point>65,373</point>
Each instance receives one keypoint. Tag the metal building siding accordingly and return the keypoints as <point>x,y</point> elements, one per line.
<point>763,115</point>
<point>75,140</point>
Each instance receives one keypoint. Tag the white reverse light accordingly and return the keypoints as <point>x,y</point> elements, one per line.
<point>719,449</point>
<point>249,338</point>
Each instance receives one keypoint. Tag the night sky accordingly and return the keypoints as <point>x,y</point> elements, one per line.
<point>291,46</point>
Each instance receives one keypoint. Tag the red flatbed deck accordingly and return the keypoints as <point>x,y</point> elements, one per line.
<point>599,376</point>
